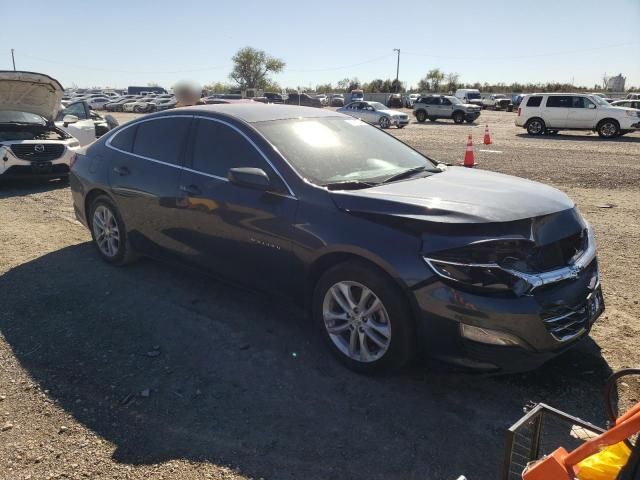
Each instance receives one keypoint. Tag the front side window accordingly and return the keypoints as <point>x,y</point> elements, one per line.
<point>445,101</point>
<point>162,138</point>
<point>336,149</point>
<point>76,109</point>
<point>218,147</point>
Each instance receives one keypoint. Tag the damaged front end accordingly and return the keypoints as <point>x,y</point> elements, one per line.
<point>529,257</point>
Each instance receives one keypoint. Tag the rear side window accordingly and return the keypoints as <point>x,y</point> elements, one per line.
<point>161,139</point>
<point>559,101</point>
<point>123,140</point>
<point>534,101</point>
<point>217,148</point>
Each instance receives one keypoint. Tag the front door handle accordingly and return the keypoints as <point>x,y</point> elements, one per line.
<point>191,189</point>
<point>122,171</point>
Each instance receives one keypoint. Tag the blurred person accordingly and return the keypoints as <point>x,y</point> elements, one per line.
<point>187,94</point>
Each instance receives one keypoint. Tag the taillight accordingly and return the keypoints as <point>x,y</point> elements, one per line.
<point>519,110</point>
<point>73,160</point>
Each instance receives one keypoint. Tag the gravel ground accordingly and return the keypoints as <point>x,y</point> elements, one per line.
<point>153,371</point>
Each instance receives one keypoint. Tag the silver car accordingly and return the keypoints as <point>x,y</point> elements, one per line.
<point>375,113</point>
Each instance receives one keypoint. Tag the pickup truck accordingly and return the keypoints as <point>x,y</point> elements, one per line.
<point>497,101</point>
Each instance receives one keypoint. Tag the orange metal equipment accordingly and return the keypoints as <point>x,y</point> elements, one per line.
<point>562,465</point>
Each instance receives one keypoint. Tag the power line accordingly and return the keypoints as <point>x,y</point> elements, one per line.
<point>150,72</point>
<point>339,68</point>
<point>516,57</point>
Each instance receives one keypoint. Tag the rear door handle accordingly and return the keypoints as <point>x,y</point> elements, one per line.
<point>122,171</point>
<point>191,189</point>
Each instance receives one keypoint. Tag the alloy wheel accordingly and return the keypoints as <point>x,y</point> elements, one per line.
<point>357,321</point>
<point>384,122</point>
<point>535,127</point>
<point>106,231</point>
<point>608,129</point>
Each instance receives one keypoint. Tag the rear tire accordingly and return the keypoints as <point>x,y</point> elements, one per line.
<point>383,340</point>
<point>109,232</point>
<point>608,128</point>
<point>535,126</point>
<point>421,116</point>
<point>458,117</point>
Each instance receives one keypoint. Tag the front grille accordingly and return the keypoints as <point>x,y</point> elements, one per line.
<point>564,322</point>
<point>38,152</point>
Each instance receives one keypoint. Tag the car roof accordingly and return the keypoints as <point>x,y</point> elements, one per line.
<point>252,112</point>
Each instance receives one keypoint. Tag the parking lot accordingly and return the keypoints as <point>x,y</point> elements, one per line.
<point>153,371</point>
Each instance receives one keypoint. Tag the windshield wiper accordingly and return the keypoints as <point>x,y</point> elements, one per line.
<point>411,172</point>
<point>348,185</point>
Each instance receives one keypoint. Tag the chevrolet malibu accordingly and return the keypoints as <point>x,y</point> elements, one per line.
<point>390,251</point>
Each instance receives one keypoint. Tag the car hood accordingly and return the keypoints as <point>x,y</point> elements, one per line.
<point>457,195</point>
<point>30,92</point>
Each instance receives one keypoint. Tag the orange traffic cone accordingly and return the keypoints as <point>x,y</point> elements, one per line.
<point>487,137</point>
<point>469,160</point>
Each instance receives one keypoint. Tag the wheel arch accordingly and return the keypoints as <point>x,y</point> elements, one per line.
<point>329,260</point>
<point>89,198</point>
<point>606,119</point>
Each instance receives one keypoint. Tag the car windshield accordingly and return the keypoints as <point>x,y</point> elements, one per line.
<point>599,100</point>
<point>10,116</point>
<point>377,105</point>
<point>337,149</point>
<point>473,95</point>
<point>454,100</point>
<point>501,96</point>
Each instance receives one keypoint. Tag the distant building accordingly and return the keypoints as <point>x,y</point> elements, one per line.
<point>616,84</point>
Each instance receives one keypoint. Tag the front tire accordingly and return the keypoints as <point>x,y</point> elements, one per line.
<point>608,128</point>
<point>364,318</point>
<point>384,122</point>
<point>109,232</point>
<point>535,126</point>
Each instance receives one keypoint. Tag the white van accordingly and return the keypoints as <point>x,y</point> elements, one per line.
<point>469,95</point>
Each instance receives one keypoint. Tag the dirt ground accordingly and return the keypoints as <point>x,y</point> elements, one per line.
<point>152,371</point>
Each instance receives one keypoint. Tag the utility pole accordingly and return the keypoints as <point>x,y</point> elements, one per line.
<point>397,69</point>
<point>13,60</point>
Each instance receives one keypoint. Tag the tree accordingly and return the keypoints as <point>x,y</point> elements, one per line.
<point>452,81</point>
<point>251,68</point>
<point>424,85</point>
<point>396,86</point>
<point>324,88</point>
<point>436,77</point>
<point>217,87</point>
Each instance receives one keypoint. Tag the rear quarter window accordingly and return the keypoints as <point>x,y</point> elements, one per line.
<point>535,101</point>
<point>123,140</point>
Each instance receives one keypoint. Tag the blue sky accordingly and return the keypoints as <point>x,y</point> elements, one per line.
<point>119,43</point>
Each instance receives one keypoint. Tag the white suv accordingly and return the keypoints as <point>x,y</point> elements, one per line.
<point>31,145</point>
<point>551,112</point>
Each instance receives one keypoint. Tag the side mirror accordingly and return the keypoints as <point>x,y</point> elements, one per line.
<point>69,119</point>
<point>255,178</point>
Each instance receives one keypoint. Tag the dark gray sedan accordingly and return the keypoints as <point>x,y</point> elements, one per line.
<point>388,250</point>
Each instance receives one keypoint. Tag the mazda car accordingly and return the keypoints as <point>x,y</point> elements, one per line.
<point>391,252</point>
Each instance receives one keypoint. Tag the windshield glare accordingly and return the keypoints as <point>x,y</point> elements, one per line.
<point>10,116</point>
<point>599,100</point>
<point>377,105</point>
<point>336,149</point>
